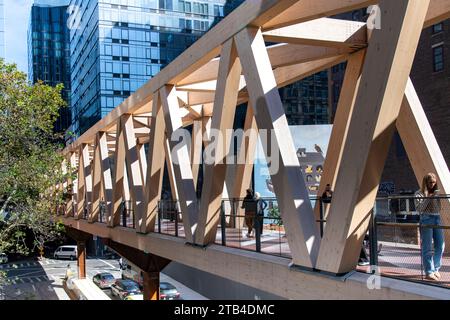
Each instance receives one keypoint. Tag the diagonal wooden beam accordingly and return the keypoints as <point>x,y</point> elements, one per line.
<point>134,170</point>
<point>340,126</point>
<point>119,177</point>
<point>106,174</point>
<point>290,189</point>
<point>155,160</point>
<point>322,32</point>
<point>73,183</point>
<point>84,180</point>
<point>181,160</point>
<point>307,9</point>
<point>222,121</point>
<point>239,174</point>
<point>280,55</point>
<point>385,73</point>
<point>284,76</point>
<point>81,188</point>
<point>96,182</point>
<point>421,146</point>
<point>170,170</point>
<point>290,74</point>
<point>142,159</point>
<point>196,149</point>
<point>246,156</point>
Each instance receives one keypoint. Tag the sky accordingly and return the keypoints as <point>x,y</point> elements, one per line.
<point>16,24</point>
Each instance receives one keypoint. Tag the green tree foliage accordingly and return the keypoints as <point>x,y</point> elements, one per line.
<point>30,161</point>
<point>274,213</point>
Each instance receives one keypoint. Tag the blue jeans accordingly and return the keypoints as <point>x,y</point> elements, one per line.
<point>431,260</point>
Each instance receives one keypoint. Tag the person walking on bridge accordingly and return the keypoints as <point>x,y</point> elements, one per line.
<point>249,204</point>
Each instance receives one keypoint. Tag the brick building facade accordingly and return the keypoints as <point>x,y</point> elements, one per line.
<point>431,78</point>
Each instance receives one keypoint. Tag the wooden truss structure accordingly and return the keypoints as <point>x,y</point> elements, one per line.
<point>231,65</point>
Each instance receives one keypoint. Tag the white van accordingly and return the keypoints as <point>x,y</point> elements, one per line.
<point>69,252</point>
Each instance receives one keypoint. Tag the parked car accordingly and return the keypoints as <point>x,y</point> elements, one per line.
<point>104,280</point>
<point>3,258</point>
<point>124,288</point>
<point>167,291</point>
<point>69,252</point>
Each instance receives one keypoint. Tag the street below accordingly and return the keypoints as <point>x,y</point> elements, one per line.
<point>43,280</point>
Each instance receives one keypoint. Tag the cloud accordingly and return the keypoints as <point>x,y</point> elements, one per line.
<point>17,13</point>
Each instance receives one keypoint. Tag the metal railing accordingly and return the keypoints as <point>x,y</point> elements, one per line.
<point>255,225</point>
<point>405,236</point>
<point>102,211</point>
<point>169,216</point>
<point>85,211</point>
<point>127,214</point>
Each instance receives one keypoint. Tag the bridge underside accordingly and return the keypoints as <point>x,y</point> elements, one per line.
<point>231,65</point>
<point>263,272</point>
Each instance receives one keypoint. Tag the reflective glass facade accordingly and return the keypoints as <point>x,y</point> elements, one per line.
<point>49,52</point>
<point>306,102</point>
<point>120,44</point>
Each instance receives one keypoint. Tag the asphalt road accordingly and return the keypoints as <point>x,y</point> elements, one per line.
<point>42,280</point>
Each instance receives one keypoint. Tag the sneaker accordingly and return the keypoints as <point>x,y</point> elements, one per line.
<point>431,276</point>
<point>363,263</point>
<point>437,275</point>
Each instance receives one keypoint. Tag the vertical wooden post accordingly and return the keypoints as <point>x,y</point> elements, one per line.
<point>81,259</point>
<point>151,285</point>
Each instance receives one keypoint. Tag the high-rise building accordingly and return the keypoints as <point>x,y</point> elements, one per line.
<point>307,101</point>
<point>2,30</point>
<point>49,50</point>
<point>117,46</point>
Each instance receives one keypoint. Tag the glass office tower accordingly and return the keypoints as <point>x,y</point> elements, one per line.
<point>49,50</point>
<point>2,30</point>
<point>118,45</point>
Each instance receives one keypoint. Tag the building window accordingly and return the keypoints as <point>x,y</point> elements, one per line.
<point>218,11</point>
<point>438,58</point>
<point>438,28</point>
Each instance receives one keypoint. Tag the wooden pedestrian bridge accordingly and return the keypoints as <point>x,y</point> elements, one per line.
<point>123,156</point>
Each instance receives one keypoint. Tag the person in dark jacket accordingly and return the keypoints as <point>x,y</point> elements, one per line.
<point>249,204</point>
